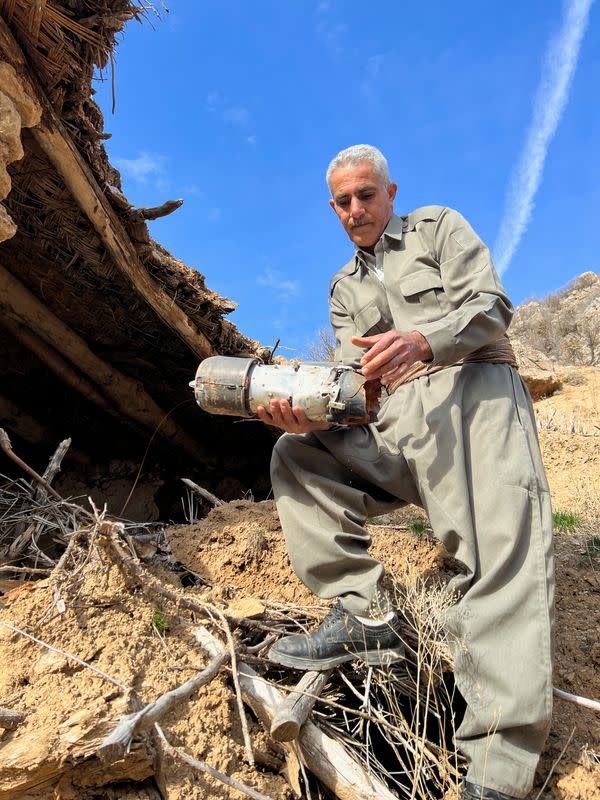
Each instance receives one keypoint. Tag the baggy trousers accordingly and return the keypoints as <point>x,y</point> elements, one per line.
<point>463,444</point>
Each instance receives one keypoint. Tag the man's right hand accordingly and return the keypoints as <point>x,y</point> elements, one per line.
<point>391,354</point>
<point>290,419</point>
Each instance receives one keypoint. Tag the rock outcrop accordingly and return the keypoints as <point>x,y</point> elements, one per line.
<point>17,111</point>
<point>536,369</point>
<point>564,326</point>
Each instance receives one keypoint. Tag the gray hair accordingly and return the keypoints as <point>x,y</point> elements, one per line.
<point>352,156</point>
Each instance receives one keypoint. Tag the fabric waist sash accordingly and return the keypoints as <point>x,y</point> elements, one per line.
<point>498,352</point>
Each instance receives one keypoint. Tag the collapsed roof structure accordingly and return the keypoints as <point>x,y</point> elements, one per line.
<point>101,327</point>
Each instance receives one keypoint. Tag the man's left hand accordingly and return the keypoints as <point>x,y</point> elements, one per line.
<point>391,354</point>
<point>291,419</point>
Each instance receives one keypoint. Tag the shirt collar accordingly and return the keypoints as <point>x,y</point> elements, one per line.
<point>393,230</point>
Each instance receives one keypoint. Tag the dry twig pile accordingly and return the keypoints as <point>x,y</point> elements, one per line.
<point>373,732</point>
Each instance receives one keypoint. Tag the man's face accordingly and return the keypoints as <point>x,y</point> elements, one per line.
<point>362,202</point>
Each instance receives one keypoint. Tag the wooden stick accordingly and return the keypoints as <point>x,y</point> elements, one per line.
<point>128,394</point>
<point>33,531</point>
<point>117,743</point>
<point>7,447</point>
<point>9,719</point>
<point>175,752</point>
<point>157,211</point>
<point>52,468</point>
<point>293,712</point>
<point>53,138</point>
<point>577,699</point>
<point>76,536</point>
<point>304,778</point>
<point>236,683</point>
<point>323,756</point>
<point>28,570</point>
<point>203,492</point>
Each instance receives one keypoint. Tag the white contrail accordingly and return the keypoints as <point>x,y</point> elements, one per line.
<point>551,98</point>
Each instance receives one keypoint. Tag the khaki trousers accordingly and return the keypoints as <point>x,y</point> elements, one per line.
<point>462,443</point>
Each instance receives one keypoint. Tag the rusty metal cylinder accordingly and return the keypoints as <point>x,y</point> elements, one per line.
<point>237,386</point>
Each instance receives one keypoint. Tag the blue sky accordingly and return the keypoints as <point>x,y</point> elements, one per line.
<point>238,107</point>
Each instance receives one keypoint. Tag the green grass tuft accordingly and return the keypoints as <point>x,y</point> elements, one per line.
<point>417,526</point>
<point>565,522</point>
<point>160,621</point>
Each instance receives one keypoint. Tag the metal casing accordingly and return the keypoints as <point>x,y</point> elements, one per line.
<point>221,385</point>
<point>237,386</point>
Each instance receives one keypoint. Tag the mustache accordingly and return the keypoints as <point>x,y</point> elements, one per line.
<point>360,222</point>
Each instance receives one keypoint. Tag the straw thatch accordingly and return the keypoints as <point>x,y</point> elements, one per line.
<point>102,328</point>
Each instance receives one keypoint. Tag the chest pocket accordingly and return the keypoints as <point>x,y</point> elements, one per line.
<point>369,320</point>
<point>421,291</point>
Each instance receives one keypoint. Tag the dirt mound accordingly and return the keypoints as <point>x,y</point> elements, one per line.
<point>242,544</point>
<point>69,709</point>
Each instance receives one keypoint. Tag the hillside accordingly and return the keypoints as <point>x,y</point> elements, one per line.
<point>565,325</point>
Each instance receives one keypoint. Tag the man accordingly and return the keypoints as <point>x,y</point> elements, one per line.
<point>420,307</point>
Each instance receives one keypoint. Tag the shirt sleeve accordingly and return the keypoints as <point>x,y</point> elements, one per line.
<point>343,329</point>
<point>481,311</point>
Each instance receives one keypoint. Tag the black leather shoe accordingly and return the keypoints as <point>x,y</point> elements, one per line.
<point>339,638</point>
<point>473,791</point>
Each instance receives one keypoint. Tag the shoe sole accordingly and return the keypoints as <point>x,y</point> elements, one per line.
<point>379,658</point>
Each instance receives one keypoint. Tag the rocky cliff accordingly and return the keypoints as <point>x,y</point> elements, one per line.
<point>565,325</point>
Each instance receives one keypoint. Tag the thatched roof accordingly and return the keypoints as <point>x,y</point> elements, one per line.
<point>102,328</point>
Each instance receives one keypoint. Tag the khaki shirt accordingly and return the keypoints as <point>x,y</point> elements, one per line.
<point>439,279</point>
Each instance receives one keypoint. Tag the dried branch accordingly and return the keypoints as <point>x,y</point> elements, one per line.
<point>108,532</point>
<point>23,519</point>
<point>117,743</point>
<point>203,492</point>
<point>577,699</point>
<point>157,211</point>
<point>27,570</point>
<point>294,711</point>
<point>236,685</point>
<point>554,765</point>
<point>7,447</point>
<point>53,467</point>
